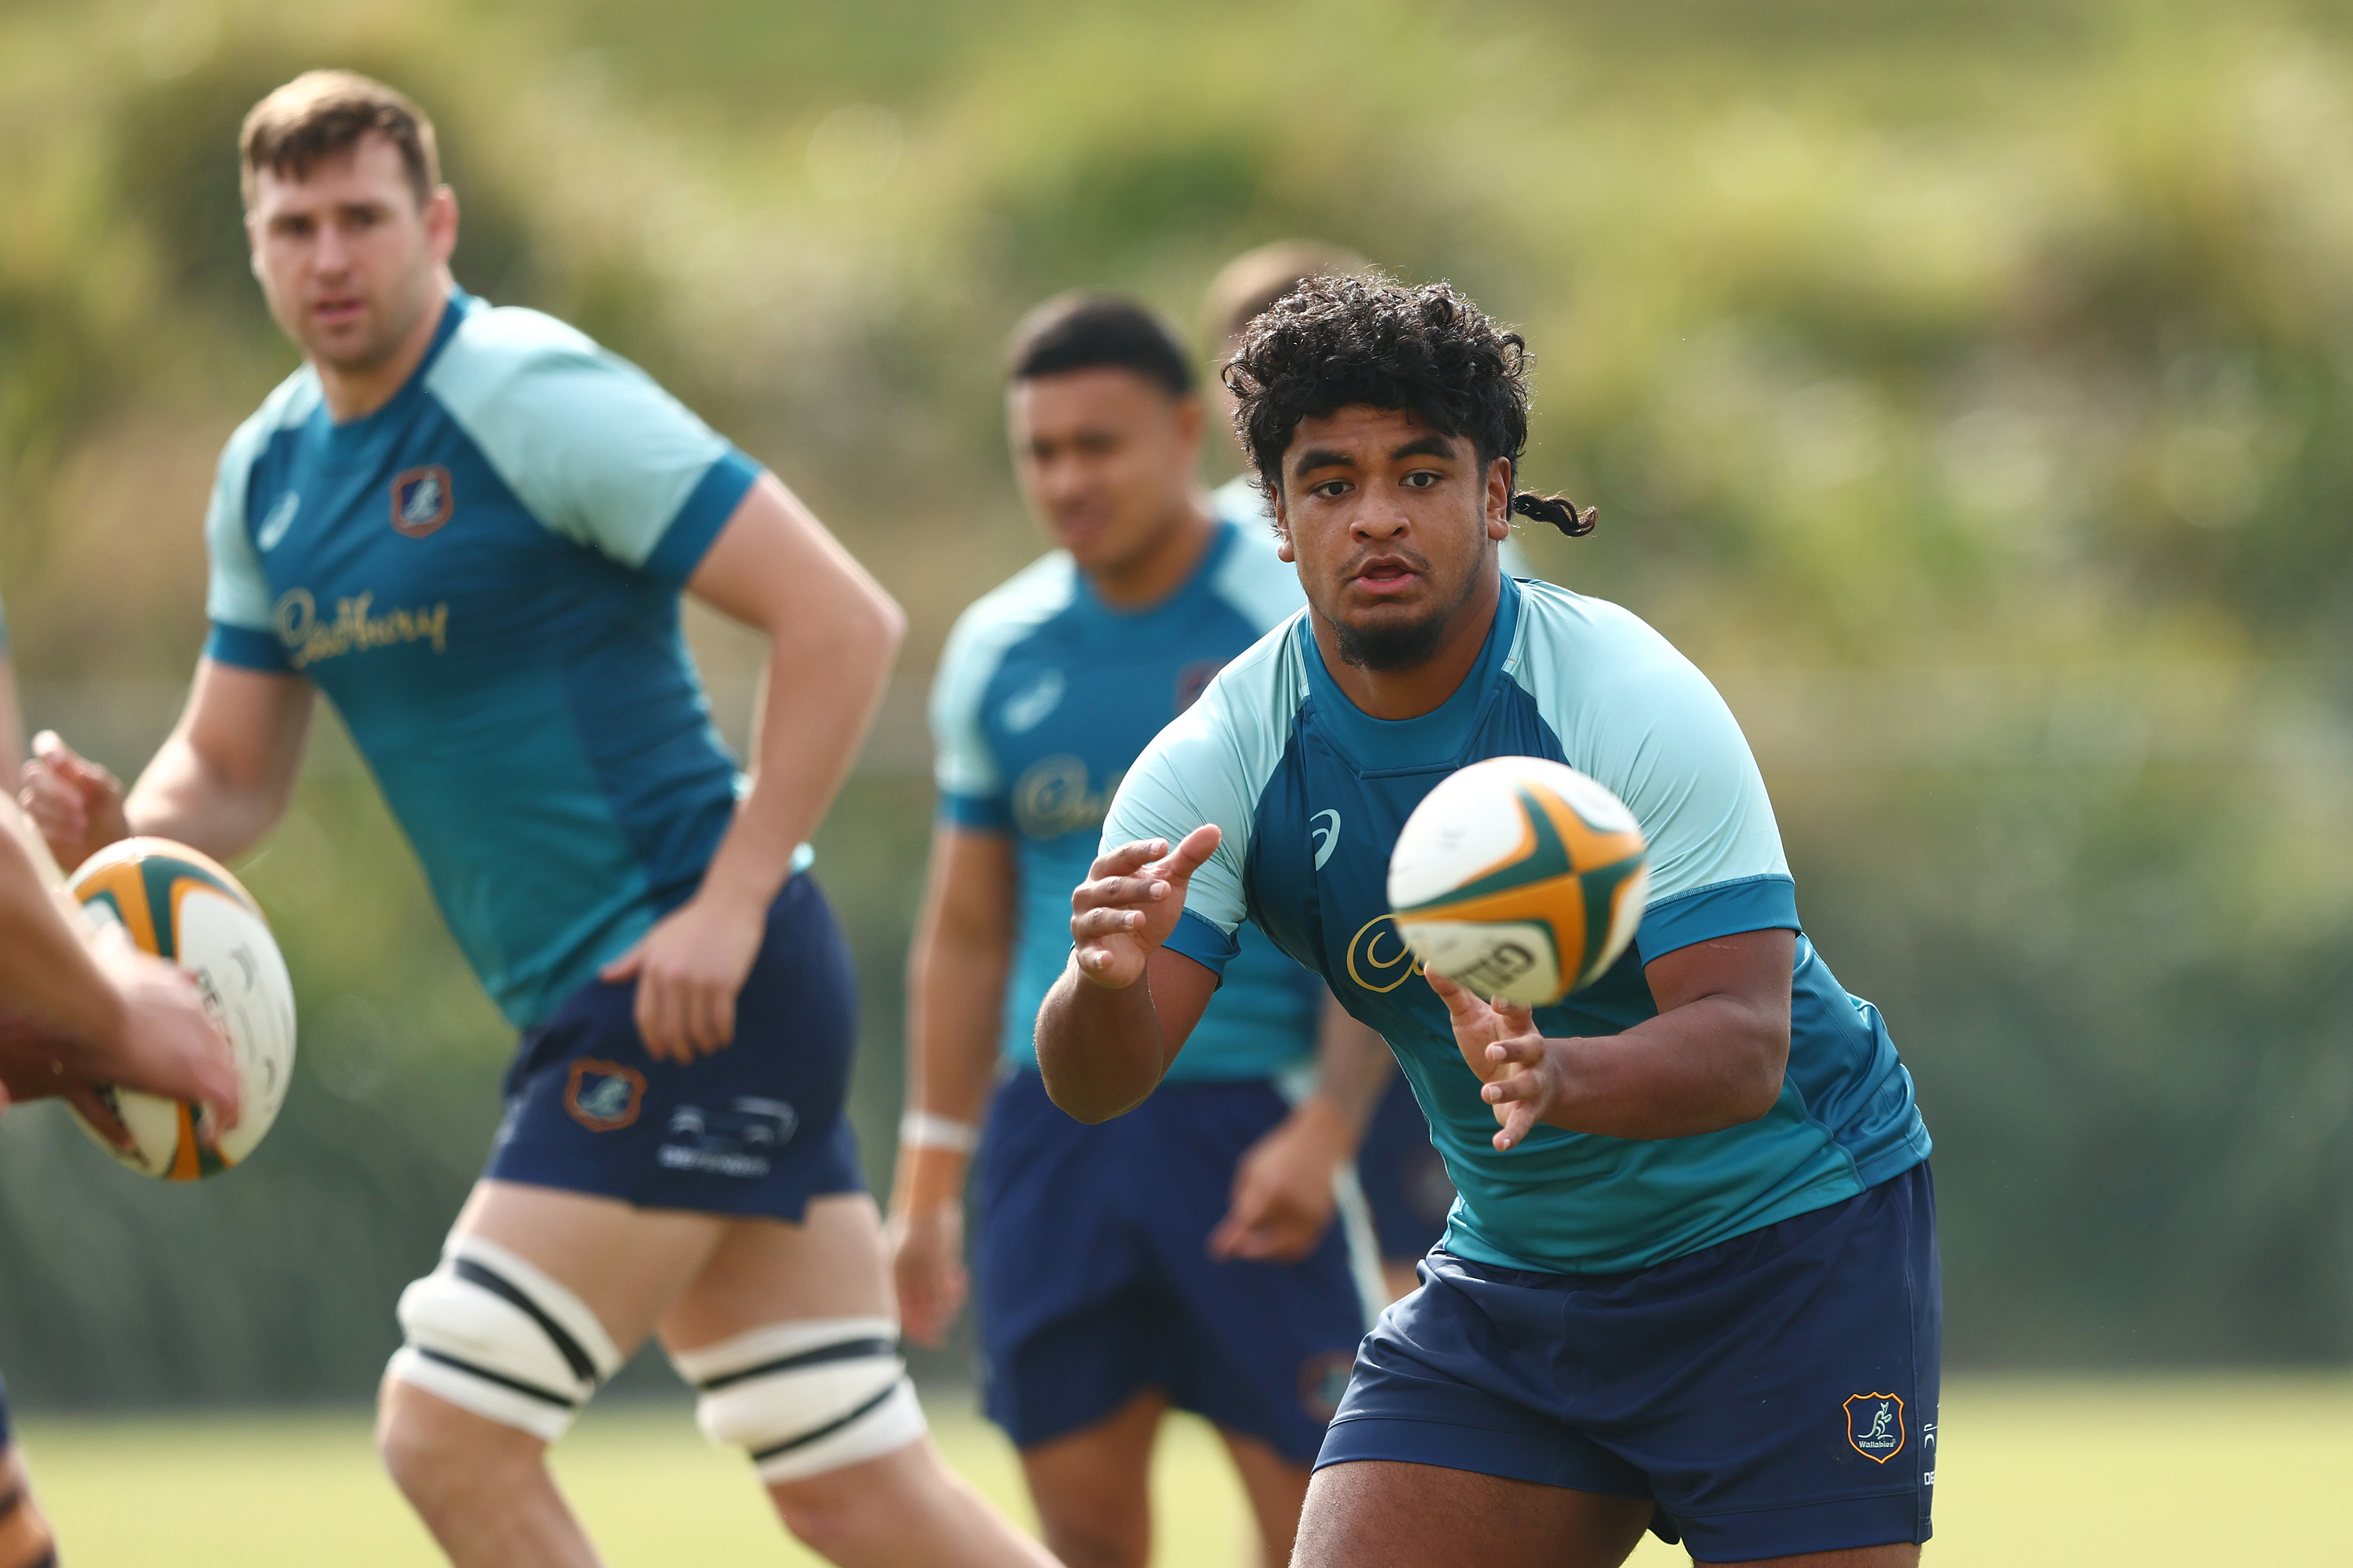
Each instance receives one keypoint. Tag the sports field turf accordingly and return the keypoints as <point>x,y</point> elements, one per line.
<point>2187,1470</point>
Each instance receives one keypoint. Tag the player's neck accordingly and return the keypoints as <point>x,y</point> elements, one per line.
<point>1161,567</point>
<point>1421,688</point>
<point>357,393</point>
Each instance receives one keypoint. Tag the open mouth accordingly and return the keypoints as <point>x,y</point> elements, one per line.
<point>1385,576</point>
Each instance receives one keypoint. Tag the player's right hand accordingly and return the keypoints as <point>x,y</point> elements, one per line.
<point>76,804</point>
<point>1129,903</point>
<point>927,1265</point>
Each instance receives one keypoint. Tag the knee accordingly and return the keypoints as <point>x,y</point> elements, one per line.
<point>439,1455</point>
<point>1090,1537</point>
<point>834,1515</point>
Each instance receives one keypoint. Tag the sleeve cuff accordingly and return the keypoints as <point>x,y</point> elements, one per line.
<point>247,650</point>
<point>987,814</point>
<point>1767,902</point>
<point>701,516</point>
<point>1204,943</point>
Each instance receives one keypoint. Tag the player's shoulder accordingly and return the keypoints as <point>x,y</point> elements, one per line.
<point>500,349</point>
<point>1251,578</point>
<point>1246,710</point>
<point>1572,650</point>
<point>1032,596</point>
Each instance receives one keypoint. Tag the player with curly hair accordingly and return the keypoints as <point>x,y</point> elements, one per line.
<point>1691,1284</point>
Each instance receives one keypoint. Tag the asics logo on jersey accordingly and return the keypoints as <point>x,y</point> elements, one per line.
<point>1379,959</point>
<point>1875,1426</point>
<point>1325,839</point>
<point>353,629</point>
<point>1026,709</point>
<point>1051,798</point>
<point>422,501</point>
<point>282,518</point>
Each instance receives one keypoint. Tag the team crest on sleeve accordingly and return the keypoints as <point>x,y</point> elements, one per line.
<point>422,501</point>
<point>604,1097</point>
<point>1874,1425</point>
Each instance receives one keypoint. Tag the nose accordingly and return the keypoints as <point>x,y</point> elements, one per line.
<point>1379,517</point>
<point>331,254</point>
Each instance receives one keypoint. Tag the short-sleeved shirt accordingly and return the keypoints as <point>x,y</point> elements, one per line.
<point>1311,792</point>
<point>1044,697</point>
<point>483,577</point>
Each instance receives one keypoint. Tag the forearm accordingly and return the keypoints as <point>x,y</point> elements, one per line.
<point>956,999</point>
<point>12,724</point>
<point>1713,1063</point>
<point>1100,1049</point>
<point>46,973</point>
<point>817,700</point>
<point>181,796</point>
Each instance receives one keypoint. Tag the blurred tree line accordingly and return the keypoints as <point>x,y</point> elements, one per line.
<point>1964,385</point>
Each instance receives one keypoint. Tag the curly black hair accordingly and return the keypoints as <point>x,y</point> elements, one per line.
<point>1335,342</point>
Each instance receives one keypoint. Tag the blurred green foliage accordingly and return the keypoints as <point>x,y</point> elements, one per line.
<point>1965,385</point>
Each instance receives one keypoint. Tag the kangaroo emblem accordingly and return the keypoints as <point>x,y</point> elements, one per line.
<point>1875,1426</point>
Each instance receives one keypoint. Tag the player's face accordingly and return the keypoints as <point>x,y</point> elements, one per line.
<point>1106,459</point>
<point>346,257</point>
<point>1393,526</point>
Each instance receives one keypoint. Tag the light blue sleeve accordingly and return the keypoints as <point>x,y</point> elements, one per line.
<point>963,763</point>
<point>1633,712</point>
<point>597,450</point>
<point>1211,765</point>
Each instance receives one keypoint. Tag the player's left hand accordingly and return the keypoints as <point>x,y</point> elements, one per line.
<point>690,968</point>
<point>1500,1043</point>
<point>1282,1197</point>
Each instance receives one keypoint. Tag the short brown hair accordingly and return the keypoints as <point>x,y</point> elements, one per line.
<point>323,114</point>
<point>1251,282</point>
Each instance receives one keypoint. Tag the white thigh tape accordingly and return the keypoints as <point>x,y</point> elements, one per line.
<point>806,1397</point>
<point>492,1333</point>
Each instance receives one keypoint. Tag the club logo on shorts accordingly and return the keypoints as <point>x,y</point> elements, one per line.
<point>422,501</point>
<point>1194,679</point>
<point>604,1096</point>
<point>1874,1425</point>
<point>1322,1379</point>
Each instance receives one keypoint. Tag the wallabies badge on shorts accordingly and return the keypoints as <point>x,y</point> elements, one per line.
<point>1875,1426</point>
<point>602,1097</point>
<point>1322,1379</point>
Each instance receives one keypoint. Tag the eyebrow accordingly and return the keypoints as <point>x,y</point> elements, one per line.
<point>1321,458</point>
<point>1430,445</point>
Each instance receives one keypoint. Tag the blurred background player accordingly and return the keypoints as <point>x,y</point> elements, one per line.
<point>1186,1255</point>
<point>1693,1282</point>
<point>1399,1169</point>
<point>470,527</point>
<point>81,1007</point>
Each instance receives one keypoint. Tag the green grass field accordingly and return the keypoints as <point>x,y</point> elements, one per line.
<point>2149,1471</point>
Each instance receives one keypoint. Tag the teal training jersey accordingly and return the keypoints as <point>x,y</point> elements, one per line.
<point>1311,792</point>
<point>1044,697</point>
<point>483,577</point>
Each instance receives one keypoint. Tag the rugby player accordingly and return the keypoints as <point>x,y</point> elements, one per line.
<point>1186,1257</point>
<point>81,1007</point>
<point>1399,1170</point>
<point>1692,1283</point>
<point>470,528</point>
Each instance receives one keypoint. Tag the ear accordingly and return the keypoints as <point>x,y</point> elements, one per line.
<point>1498,498</point>
<point>253,243</point>
<point>1282,546</point>
<point>441,223</point>
<point>1191,421</point>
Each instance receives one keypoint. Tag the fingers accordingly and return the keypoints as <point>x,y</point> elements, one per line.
<point>100,1115</point>
<point>1463,1006</point>
<point>1128,858</point>
<point>1189,856</point>
<point>628,966</point>
<point>1516,1127</point>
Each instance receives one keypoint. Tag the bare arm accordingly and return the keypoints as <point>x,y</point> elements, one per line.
<point>12,721</point>
<point>219,782</point>
<point>832,634</point>
<point>1712,1057</point>
<point>956,971</point>
<point>1125,1005</point>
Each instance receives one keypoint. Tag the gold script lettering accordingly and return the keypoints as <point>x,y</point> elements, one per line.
<point>309,639</point>
<point>1368,937</point>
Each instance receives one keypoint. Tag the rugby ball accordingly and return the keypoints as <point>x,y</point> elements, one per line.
<point>184,907</point>
<point>1520,879</point>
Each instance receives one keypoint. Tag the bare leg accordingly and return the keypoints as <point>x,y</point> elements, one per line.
<point>904,1508</point>
<point>1277,1489</point>
<point>1093,1487</point>
<point>25,1538</point>
<point>1399,1275</point>
<point>1377,1514</point>
<point>482,1488</point>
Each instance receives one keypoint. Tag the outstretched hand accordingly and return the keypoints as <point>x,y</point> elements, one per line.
<point>689,969</point>
<point>1129,903</point>
<point>1499,1041</point>
<point>76,804</point>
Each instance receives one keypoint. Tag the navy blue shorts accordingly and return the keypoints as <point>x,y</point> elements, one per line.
<point>1093,1281</point>
<point>1775,1393</point>
<point>755,1128</point>
<point>1403,1175</point>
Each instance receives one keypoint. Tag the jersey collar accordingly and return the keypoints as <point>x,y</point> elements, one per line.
<point>1439,737</point>
<point>1204,574</point>
<point>360,432</point>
